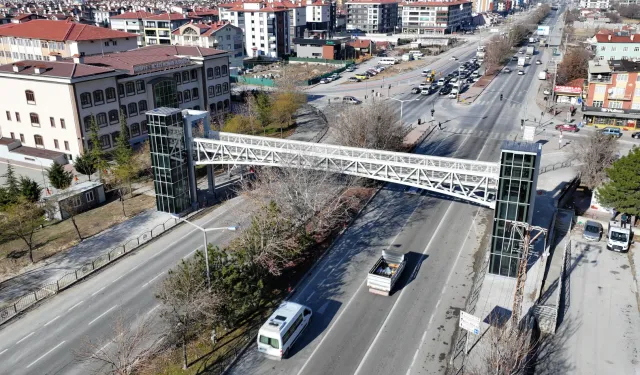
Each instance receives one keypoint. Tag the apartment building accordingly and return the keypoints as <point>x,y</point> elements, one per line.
<point>101,17</point>
<point>158,28</point>
<point>613,95</point>
<point>617,45</point>
<point>266,27</point>
<point>219,35</point>
<point>38,39</point>
<point>319,15</point>
<point>130,22</point>
<point>435,17</point>
<point>594,4</point>
<point>49,104</point>
<point>372,16</point>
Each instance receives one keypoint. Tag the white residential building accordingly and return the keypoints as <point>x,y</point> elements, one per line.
<point>594,4</point>
<point>130,22</point>
<point>318,15</point>
<point>218,35</point>
<point>435,17</point>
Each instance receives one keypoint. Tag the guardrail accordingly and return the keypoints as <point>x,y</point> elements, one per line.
<point>29,299</point>
<point>558,165</point>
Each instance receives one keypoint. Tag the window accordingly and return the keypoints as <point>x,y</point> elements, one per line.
<point>179,97</point>
<point>105,141</point>
<point>31,98</point>
<point>224,70</point>
<point>13,136</point>
<point>194,93</point>
<point>55,144</point>
<point>87,123</point>
<point>225,87</point>
<point>98,97</point>
<point>625,49</point>
<point>62,124</point>
<point>18,116</point>
<point>38,140</point>
<point>177,77</point>
<point>113,116</point>
<point>133,109</point>
<point>186,95</point>
<point>633,106</point>
<point>121,90</point>
<point>142,106</point>
<point>615,104</point>
<point>8,116</point>
<point>209,73</point>
<point>194,74</point>
<point>185,77</point>
<point>131,88</point>
<point>140,86</point>
<point>35,120</point>
<point>111,94</point>
<point>106,44</point>
<point>287,335</point>
<point>85,100</point>
<point>66,145</point>
<point>135,129</point>
<point>89,196</point>
<point>218,89</point>
<point>52,121</point>
<point>210,91</point>
<point>217,71</point>
<point>600,89</point>
<point>637,92</point>
<point>622,77</point>
<point>636,49</point>
<point>22,138</point>
<point>143,127</point>
<point>270,341</point>
<point>101,119</point>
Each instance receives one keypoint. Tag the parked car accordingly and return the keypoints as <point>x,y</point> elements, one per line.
<point>547,92</point>
<point>325,80</point>
<point>372,72</point>
<point>614,132</point>
<point>416,90</point>
<point>361,76</point>
<point>567,127</point>
<point>635,135</point>
<point>520,72</point>
<point>354,79</point>
<point>350,100</point>
<point>351,68</point>
<point>592,231</point>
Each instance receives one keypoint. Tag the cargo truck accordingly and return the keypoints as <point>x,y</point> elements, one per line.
<point>522,61</point>
<point>531,50</point>
<point>385,273</point>
<point>618,238</point>
<point>542,75</point>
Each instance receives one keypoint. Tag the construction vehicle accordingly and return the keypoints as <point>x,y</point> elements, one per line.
<point>430,76</point>
<point>384,274</point>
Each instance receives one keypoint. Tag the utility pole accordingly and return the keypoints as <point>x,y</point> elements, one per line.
<point>524,231</point>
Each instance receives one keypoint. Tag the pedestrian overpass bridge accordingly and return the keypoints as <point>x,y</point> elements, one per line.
<point>473,181</point>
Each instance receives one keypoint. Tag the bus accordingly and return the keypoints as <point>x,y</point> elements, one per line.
<point>388,60</point>
<point>278,334</point>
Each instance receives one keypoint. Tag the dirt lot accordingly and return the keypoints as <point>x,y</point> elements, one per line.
<point>60,236</point>
<point>295,72</point>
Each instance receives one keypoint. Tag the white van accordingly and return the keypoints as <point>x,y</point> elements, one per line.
<point>388,60</point>
<point>416,53</point>
<point>282,329</point>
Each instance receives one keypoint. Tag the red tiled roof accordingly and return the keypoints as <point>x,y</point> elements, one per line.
<point>205,29</point>
<point>60,31</point>
<point>204,12</point>
<point>435,3</point>
<point>63,69</point>
<point>360,43</point>
<point>166,17</point>
<point>603,38</point>
<point>132,15</point>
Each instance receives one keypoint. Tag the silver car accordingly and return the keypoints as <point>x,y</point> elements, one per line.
<point>592,231</point>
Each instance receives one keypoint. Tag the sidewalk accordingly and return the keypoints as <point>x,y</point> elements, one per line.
<point>311,125</point>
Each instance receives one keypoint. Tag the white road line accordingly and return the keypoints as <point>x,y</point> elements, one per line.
<point>155,277</point>
<point>24,338</point>
<point>2,352</point>
<point>105,345</point>
<point>74,306</point>
<point>98,291</point>
<point>415,356</point>
<point>443,290</point>
<point>191,253</point>
<point>134,268</point>
<point>152,310</point>
<point>311,295</point>
<point>45,354</point>
<point>52,320</point>
<point>396,304</point>
<point>118,278</point>
<point>101,315</point>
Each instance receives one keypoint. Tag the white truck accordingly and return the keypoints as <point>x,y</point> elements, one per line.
<point>618,238</point>
<point>384,274</point>
<point>531,50</point>
<point>542,76</point>
<point>522,61</point>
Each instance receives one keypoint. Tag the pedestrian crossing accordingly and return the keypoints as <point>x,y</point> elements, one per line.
<point>479,133</point>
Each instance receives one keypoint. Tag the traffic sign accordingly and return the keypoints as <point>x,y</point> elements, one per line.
<point>579,100</point>
<point>529,133</point>
<point>469,322</point>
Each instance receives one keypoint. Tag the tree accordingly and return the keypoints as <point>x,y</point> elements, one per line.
<point>30,189</point>
<point>594,154</point>
<point>22,219</point>
<point>96,153</point>
<point>124,349</point>
<point>186,303</point>
<point>613,17</point>
<point>374,125</point>
<point>124,170</point>
<point>84,165</point>
<point>11,182</point>
<point>239,124</point>
<point>497,50</point>
<point>575,64</point>
<point>142,159</point>
<point>284,107</point>
<point>68,207</point>
<point>622,191</point>
<point>263,107</point>
<point>629,11</point>
<point>59,177</point>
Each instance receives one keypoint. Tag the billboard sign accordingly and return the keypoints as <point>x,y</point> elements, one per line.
<point>543,30</point>
<point>568,89</point>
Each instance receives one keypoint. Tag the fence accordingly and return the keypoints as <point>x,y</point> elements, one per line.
<point>295,60</point>
<point>29,299</point>
<point>252,81</point>
<point>558,165</point>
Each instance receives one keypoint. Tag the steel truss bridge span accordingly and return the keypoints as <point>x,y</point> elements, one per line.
<point>473,181</point>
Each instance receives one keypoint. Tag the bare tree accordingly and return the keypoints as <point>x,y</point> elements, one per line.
<point>22,219</point>
<point>594,154</point>
<point>373,125</point>
<point>68,207</point>
<point>575,64</point>
<point>497,50</point>
<point>124,349</point>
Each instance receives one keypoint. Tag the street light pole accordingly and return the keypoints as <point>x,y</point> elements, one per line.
<point>402,103</point>
<point>206,243</point>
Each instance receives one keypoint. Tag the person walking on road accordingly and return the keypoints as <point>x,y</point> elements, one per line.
<point>440,125</point>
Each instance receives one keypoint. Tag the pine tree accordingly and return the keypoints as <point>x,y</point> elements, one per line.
<point>125,169</point>
<point>30,189</point>
<point>11,182</point>
<point>95,153</point>
<point>59,177</point>
<point>84,165</point>
<point>622,192</point>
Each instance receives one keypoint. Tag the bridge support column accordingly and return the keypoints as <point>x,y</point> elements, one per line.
<point>211,180</point>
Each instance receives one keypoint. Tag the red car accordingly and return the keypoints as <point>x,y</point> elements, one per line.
<point>567,127</point>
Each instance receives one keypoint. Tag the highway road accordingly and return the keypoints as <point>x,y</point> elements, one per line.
<point>356,332</point>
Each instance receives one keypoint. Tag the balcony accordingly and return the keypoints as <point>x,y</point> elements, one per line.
<point>600,78</point>
<point>626,96</point>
